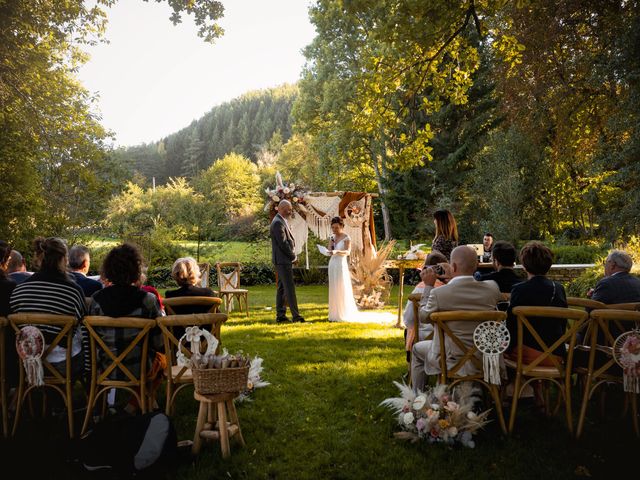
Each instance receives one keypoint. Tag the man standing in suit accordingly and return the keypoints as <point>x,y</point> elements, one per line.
<point>618,285</point>
<point>462,292</point>
<point>283,258</point>
<point>79,261</point>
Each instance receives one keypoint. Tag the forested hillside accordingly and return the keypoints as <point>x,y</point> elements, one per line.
<point>244,125</point>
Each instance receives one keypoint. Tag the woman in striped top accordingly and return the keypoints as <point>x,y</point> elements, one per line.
<point>50,290</point>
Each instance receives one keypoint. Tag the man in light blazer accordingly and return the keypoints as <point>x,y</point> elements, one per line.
<point>283,258</point>
<point>462,292</point>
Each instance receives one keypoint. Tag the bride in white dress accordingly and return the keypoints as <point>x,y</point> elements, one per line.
<point>342,306</point>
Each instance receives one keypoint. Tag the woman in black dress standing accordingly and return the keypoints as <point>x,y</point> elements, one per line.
<point>446,238</point>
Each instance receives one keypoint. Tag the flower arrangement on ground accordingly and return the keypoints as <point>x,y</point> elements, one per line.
<point>254,381</point>
<point>371,282</point>
<point>437,415</point>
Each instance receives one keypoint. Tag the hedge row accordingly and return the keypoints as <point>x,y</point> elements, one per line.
<point>250,274</point>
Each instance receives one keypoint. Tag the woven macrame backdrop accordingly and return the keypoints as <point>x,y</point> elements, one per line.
<point>317,215</point>
<point>321,210</point>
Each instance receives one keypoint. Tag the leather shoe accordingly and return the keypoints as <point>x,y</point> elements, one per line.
<point>299,320</point>
<point>282,320</point>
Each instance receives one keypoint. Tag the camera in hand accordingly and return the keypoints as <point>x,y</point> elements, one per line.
<point>439,269</point>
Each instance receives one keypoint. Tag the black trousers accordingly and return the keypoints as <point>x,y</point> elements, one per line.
<point>286,292</point>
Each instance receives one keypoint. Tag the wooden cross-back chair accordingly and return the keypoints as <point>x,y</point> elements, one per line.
<point>114,370</point>
<point>62,383</point>
<point>454,361</point>
<point>588,305</point>
<point>179,377</point>
<point>558,374</point>
<point>415,304</point>
<point>4,324</point>
<point>229,284</point>
<point>607,325</point>
<point>213,303</point>
<point>584,303</point>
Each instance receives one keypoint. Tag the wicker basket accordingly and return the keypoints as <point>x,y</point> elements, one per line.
<point>210,381</point>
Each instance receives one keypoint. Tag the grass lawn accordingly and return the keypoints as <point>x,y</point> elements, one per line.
<point>320,417</point>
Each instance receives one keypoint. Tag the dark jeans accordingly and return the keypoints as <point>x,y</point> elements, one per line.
<point>286,292</point>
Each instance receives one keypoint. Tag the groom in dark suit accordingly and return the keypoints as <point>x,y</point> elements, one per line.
<point>283,258</point>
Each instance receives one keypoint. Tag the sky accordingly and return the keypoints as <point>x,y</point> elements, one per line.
<point>154,78</point>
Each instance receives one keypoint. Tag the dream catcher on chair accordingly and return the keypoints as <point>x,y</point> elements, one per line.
<point>30,347</point>
<point>492,339</point>
<point>626,353</point>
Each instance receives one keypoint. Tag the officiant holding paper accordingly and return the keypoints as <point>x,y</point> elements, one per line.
<point>283,257</point>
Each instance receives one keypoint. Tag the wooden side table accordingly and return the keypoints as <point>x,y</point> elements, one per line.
<point>401,265</point>
<point>227,424</point>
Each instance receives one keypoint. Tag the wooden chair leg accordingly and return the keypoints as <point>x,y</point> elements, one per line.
<point>222,428</point>
<point>567,403</point>
<point>168,397</point>
<point>90,406</point>
<point>69,404</point>
<point>5,409</point>
<point>202,416</point>
<point>497,400</point>
<point>233,417</point>
<point>514,403</point>
<point>585,403</point>
<point>20,397</point>
<point>634,412</point>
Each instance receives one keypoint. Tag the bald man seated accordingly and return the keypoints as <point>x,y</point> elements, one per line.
<point>462,292</point>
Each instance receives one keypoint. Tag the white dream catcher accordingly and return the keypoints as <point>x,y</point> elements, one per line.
<point>192,335</point>
<point>30,347</point>
<point>355,215</point>
<point>626,353</point>
<point>492,339</point>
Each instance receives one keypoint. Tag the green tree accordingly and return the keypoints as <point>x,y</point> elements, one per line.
<point>56,173</point>
<point>376,70</point>
<point>231,186</point>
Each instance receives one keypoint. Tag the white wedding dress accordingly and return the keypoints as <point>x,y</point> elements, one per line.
<point>342,306</point>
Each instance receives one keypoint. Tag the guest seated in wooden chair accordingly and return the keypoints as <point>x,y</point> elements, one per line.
<point>17,268</point>
<point>186,274</point>
<point>536,291</point>
<point>122,267</point>
<point>50,290</point>
<point>618,285</point>
<point>79,263</point>
<point>408,317</point>
<point>504,259</point>
<point>462,292</point>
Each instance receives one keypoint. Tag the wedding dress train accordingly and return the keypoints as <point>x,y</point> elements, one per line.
<point>342,306</point>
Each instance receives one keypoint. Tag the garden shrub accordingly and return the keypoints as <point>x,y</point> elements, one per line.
<point>255,274</point>
<point>313,276</point>
<point>160,277</point>
<point>572,254</point>
<point>588,279</point>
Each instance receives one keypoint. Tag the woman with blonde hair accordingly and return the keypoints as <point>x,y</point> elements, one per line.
<point>446,237</point>
<point>186,273</point>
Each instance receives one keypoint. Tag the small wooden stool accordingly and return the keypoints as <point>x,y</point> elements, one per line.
<point>224,428</point>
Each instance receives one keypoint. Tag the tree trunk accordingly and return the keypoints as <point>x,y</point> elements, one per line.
<point>386,219</point>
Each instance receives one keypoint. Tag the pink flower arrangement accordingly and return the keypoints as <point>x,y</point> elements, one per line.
<point>294,193</point>
<point>437,415</point>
